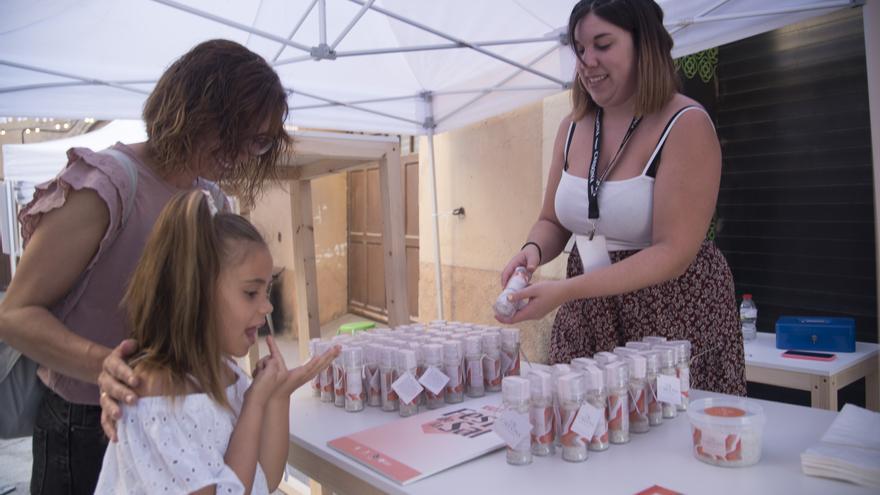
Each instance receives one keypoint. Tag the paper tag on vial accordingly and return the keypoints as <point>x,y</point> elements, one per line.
<point>407,388</point>
<point>434,380</point>
<point>587,420</point>
<point>668,389</point>
<point>513,427</point>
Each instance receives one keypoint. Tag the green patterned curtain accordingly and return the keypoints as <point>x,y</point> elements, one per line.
<point>702,63</point>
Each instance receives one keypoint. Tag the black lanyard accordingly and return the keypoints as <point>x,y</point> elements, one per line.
<point>594,182</point>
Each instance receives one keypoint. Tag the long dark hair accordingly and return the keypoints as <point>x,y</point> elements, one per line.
<point>170,299</point>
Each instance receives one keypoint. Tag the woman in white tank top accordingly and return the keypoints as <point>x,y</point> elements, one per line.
<point>634,177</point>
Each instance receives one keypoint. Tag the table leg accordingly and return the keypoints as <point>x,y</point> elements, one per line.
<point>314,487</point>
<point>872,390</point>
<point>824,393</point>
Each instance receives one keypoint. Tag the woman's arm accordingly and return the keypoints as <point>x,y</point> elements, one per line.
<point>58,252</point>
<point>547,232</point>
<point>685,193</point>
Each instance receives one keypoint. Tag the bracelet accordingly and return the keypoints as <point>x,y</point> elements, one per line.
<point>540,253</point>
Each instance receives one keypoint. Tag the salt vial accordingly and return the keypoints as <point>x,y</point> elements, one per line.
<point>407,364</point>
<point>617,387</point>
<point>623,352</point>
<point>510,344</point>
<point>515,396</point>
<point>571,396</point>
<point>580,363</point>
<point>316,381</point>
<point>556,371</point>
<point>518,281</point>
<point>652,368</point>
<point>639,346</point>
<point>433,355</point>
<point>603,359</point>
<point>683,370</point>
<point>372,381</point>
<point>492,361</point>
<point>339,379</point>
<point>541,413</point>
<point>666,355</point>
<point>326,375</point>
<point>654,340</point>
<point>638,404</point>
<point>473,348</point>
<point>594,383</point>
<point>417,346</point>
<point>453,366</point>
<point>353,365</point>
<point>387,376</point>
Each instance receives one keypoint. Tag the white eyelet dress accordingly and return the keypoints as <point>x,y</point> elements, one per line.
<point>176,446</point>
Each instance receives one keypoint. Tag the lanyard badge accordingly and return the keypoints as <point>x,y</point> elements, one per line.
<point>592,248</point>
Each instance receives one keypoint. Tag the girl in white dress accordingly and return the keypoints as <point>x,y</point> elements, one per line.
<point>195,301</point>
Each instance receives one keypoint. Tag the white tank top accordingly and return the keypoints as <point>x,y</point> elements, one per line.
<point>626,206</point>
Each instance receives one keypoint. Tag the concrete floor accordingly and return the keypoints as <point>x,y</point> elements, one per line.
<point>16,457</point>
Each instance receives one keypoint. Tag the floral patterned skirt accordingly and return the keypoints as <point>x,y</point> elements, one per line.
<point>699,306</point>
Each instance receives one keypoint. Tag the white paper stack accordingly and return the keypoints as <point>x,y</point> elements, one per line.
<point>849,450</point>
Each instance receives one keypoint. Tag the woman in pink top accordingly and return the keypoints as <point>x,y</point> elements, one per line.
<point>215,116</point>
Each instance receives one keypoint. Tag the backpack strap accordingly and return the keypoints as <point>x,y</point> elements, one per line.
<point>130,167</point>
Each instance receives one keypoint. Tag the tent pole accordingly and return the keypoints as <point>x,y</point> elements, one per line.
<point>12,220</point>
<point>871,20</point>
<point>760,13</point>
<point>438,273</point>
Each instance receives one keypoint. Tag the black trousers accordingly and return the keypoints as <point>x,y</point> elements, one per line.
<point>68,447</point>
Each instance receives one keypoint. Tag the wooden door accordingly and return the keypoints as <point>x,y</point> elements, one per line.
<point>366,270</point>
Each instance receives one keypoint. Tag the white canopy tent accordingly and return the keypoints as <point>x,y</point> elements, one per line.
<point>39,162</point>
<point>26,165</point>
<point>387,66</point>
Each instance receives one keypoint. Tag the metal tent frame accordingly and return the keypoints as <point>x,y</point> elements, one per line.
<point>325,49</point>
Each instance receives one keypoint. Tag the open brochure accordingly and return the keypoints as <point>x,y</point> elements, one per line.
<point>413,448</point>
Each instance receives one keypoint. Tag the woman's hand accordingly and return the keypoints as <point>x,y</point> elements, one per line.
<point>543,298</point>
<point>527,257</point>
<point>116,381</point>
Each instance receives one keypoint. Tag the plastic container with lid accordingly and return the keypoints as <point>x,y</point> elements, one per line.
<point>727,431</point>
<point>571,395</point>
<point>541,413</point>
<point>640,346</point>
<point>510,344</point>
<point>515,395</point>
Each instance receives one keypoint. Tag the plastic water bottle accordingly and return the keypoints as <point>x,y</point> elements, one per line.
<point>748,316</point>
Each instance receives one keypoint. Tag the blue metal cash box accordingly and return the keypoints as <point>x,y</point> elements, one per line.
<point>816,333</point>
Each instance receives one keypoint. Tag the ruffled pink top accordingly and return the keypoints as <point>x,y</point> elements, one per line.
<point>91,308</point>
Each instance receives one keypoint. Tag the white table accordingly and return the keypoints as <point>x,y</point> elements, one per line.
<point>765,364</point>
<point>662,456</point>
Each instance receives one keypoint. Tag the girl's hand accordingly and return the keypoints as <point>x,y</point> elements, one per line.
<point>268,376</point>
<point>543,298</point>
<point>301,375</point>
<point>527,257</point>
<point>295,378</point>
